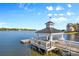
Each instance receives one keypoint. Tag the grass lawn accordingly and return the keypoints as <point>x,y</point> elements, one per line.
<point>36,53</point>
<point>77,33</point>
<point>72,32</point>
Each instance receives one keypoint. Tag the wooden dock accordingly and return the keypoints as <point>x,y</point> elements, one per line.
<point>45,45</point>
<point>26,41</point>
<point>69,45</point>
<point>56,44</point>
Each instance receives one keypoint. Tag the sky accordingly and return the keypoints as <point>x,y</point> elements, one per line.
<point>35,15</point>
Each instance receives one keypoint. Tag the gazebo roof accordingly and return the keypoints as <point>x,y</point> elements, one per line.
<point>49,30</point>
<point>50,22</point>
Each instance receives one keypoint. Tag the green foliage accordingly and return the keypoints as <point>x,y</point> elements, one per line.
<point>16,29</point>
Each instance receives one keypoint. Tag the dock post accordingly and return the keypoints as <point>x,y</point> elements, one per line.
<point>46,52</point>
<point>39,49</point>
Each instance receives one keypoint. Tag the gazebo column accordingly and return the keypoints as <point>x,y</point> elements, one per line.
<point>37,36</point>
<point>62,36</point>
<point>51,37</point>
<point>47,37</point>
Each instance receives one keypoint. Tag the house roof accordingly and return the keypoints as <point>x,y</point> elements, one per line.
<point>49,30</point>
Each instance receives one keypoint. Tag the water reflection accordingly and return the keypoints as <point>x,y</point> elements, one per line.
<point>71,37</point>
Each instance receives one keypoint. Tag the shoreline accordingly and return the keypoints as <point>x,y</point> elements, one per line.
<point>72,33</point>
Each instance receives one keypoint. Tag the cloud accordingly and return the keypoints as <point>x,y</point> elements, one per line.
<point>55,14</point>
<point>49,14</point>
<point>59,8</point>
<point>49,8</point>
<point>69,13</point>
<point>59,15</point>
<point>60,19</point>
<point>39,13</point>
<point>77,19</point>
<point>2,23</point>
<point>60,22</point>
<point>69,5</point>
<point>21,5</point>
<point>25,6</point>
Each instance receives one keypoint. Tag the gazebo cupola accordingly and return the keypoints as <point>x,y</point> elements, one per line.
<point>49,24</point>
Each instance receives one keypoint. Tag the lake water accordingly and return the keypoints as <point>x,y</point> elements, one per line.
<point>72,37</point>
<point>10,43</point>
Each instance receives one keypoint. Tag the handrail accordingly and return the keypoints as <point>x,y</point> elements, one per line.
<point>69,45</point>
<point>45,44</point>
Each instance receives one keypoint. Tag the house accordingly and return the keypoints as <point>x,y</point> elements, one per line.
<point>70,27</point>
<point>73,27</point>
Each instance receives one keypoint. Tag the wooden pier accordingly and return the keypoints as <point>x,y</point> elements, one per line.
<point>26,41</point>
<point>56,44</point>
<point>45,45</point>
<point>67,45</point>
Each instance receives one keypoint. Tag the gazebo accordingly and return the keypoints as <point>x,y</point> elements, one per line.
<point>49,33</point>
<point>46,36</point>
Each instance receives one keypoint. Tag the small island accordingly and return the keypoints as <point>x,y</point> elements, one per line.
<point>16,29</point>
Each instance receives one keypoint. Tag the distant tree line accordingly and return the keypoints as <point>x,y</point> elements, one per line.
<point>16,29</point>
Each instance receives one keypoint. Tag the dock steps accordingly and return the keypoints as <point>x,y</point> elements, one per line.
<point>26,41</point>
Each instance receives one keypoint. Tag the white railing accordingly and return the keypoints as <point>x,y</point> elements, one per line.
<point>42,44</point>
<point>69,45</point>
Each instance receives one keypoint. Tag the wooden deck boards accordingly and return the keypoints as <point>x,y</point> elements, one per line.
<point>60,44</point>
<point>67,45</point>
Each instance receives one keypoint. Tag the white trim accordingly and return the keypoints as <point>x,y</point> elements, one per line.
<point>57,33</point>
<point>52,33</point>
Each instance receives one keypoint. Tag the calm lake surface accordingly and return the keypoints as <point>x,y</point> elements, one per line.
<point>10,43</point>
